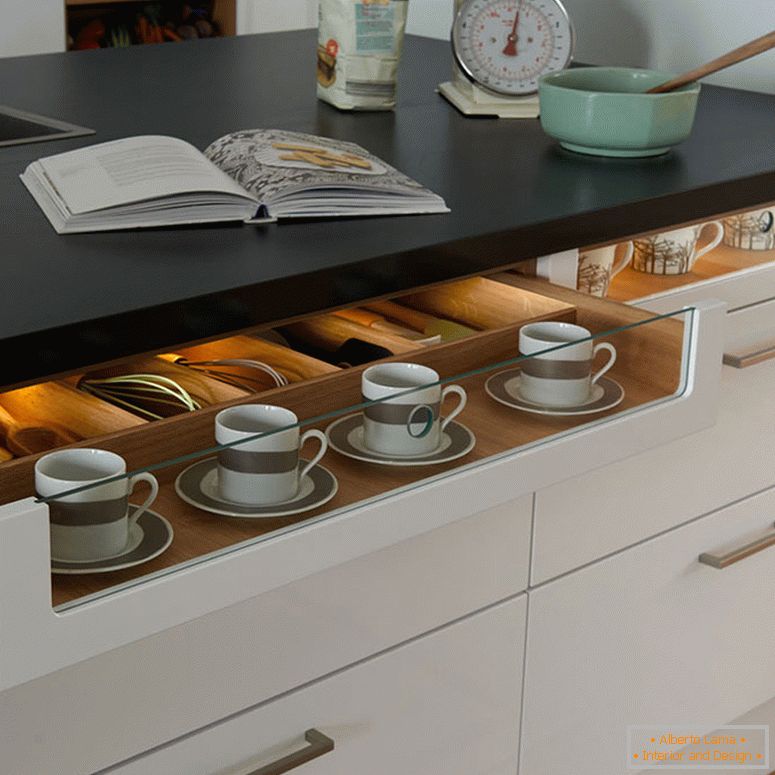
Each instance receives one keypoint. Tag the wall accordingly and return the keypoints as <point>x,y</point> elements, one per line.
<point>31,27</point>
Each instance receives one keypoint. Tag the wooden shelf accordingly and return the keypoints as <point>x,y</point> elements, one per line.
<point>224,12</point>
<point>630,284</point>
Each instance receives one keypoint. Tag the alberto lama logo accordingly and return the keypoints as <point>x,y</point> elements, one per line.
<point>727,749</point>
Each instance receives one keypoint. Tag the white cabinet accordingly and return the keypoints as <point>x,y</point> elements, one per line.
<point>446,704</point>
<point>650,636</point>
<point>114,706</point>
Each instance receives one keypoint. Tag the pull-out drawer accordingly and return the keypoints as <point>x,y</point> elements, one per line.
<point>663,385</point>
<point>677,630</point>
<point>446,703</point>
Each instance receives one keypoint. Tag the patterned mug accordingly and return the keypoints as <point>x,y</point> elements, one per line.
<point>598,267</point>
<point>750,231</point>
<point>673,252</point>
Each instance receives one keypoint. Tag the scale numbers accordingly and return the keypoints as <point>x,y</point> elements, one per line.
<point>506,45</point>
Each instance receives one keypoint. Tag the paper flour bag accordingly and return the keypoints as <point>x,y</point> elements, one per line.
<point>359,47</point>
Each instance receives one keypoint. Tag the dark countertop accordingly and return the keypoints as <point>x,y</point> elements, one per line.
<point>70,301</point>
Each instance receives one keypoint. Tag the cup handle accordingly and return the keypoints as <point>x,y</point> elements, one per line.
<point>611,361</point>
<point>321,437</point>
<point>461,394</point>
<point>769,222</point>
<point>154,485</point>
<point>625,261</point>
<point>715,242</point>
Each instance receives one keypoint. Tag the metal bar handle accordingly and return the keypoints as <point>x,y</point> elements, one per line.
<point>319,745</point>
<point>722,561</point>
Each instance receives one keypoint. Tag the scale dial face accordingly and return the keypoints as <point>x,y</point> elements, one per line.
<point>504,46</point>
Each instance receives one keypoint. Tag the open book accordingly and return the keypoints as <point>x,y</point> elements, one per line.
<point>253,176</point>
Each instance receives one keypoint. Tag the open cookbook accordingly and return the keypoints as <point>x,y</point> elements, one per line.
<point>252,176</point>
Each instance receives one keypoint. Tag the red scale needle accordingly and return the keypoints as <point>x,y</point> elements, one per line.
<point>511,41</point>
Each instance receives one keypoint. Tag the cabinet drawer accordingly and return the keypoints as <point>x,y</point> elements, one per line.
<point>650,636</point>
<point>666,381</point>
<point>199,672</point>
<point>642,496</point>
<point>446,703</point>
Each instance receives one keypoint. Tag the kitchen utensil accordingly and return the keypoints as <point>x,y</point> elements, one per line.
<point>751,49</point>
<point>244,373</point>
<point>341,341</point>
<point>605,111</point>
<point>294,366</point>
<point>22,440</point>
<point>378,323</point>
<point>420,321</point>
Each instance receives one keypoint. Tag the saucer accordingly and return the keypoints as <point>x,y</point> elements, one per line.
<point>504,388</point>
<point>346,437</point>
<point>148,538</point>
<point>198,485</point>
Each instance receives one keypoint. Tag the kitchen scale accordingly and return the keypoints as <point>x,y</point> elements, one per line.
<point>501,48</point>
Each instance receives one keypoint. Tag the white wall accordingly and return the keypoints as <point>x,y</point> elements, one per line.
<point>675,35</point>
<point>426,17</point>
<point>31,27</point>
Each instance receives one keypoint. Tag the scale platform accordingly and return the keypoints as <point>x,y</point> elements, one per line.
<point>472,101</point>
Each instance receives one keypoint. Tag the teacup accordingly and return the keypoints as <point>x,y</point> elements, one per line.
<point>264,470</point>
<point>673,252</point>
<point>598,267</point>
<point>750,231</point>
<point>408,424</point>
<point>91,524</point>
<point>561,377</point>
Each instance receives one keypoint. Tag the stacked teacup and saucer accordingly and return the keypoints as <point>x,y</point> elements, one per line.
<point>93,527</point>
<point>258,472</point>
<point>401,423</point>
<point>556,377</point>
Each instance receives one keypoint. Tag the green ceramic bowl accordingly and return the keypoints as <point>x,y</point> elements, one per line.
<point>603,111</point>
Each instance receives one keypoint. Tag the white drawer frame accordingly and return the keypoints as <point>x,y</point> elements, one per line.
<point>36,640</point>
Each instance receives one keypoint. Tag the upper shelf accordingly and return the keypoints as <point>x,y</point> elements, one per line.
<point>81,299</point>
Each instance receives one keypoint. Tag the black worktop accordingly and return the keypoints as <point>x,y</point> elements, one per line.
<point>69,301</point>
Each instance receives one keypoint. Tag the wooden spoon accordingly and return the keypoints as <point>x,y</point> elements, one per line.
<point>758,46</point>
<point>23,440</point>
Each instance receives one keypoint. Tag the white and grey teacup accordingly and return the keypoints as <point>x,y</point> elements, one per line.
<point>675,251</point>
<point>91,524</point>
<point>753,230</point>
<point>408,424</point>
<point>560,377</point>
<point>264,470</point>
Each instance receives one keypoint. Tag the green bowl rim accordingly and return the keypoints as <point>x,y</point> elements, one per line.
<point>548,80</point>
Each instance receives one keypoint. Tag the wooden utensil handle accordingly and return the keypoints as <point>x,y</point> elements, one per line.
<point>7,423</point>
<point>359,316</point>
<point>419,321</point>
<point>328,332</point>
<point>751,49</point>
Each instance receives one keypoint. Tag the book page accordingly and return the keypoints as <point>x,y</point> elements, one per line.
<point>134,169</point>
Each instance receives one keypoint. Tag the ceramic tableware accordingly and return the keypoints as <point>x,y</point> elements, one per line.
<point>559,373</point>
<point>346,437</point>
<point>604,111</point>
<point>674,252</point>
<point>264,470</point>
<point>149,536</point>
<point>505,388</point>
<point>198,485</point>
<point>406,420</point>
<point>751,231</point>
<point>93,524</point>
<point>598,266</point>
